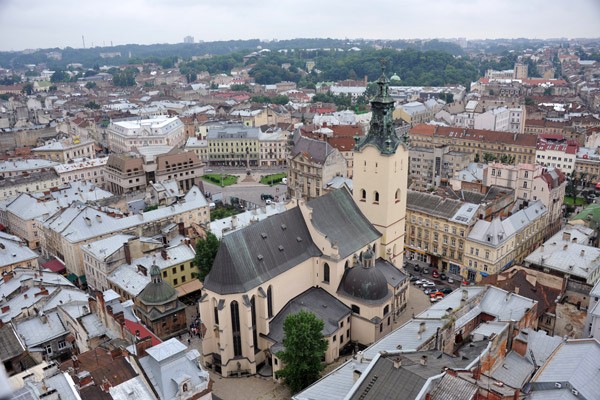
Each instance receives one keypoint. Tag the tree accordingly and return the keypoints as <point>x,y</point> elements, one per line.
<point>304,349</point>
<point>548,91</point>
<point>92,105</point>
<point>206,251</point>
<point>90,85</point>
<point>529,101</point>
<point>27,88</point>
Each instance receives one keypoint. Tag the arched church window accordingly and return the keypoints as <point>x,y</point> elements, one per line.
<point>326,273</point>
<point>376,197</point>
<point>397,195</point>
<point>235,328</point>
<point>363,194</point>
<point>269,302</point>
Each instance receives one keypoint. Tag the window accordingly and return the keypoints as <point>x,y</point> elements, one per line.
<point>235,327</point>
<point>174,270</point>
<point>216,315</point>
<point>164,274</point>
<point>355,309</point>
<point>397,195</point>
<point>254,333</point>
<point>175,282</point>
<point>48,349</point>
<point>335,338</point>
<point>62,344</point>
<point>381,327</point>
<point>269,302</point>
<point>386,309</point>
<point>181,267</point>
<point>376,197</point>
<point>341,338</point>
<point>363,194</point>
<point>326,273</point>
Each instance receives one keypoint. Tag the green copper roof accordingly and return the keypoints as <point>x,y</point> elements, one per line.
<point>381,131</point>
<point>590,213</point>
<point>157,293</point>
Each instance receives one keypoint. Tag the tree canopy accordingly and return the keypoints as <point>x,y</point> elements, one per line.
<point>305,347</point>
<point>206,251</point>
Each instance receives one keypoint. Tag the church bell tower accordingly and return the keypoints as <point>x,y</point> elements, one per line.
<point>380,177</point>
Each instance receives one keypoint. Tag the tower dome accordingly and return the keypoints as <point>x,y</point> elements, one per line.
<point>365,282</point>
<point>157,292</point>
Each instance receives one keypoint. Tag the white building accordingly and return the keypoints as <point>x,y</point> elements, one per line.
<point>560,155</point>
<point>84,170</point>
<point>125,135</point>
<point>17,168</point>
<point>198,146</point>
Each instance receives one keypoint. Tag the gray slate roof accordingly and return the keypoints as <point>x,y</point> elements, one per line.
<point>453,388</point>
<point>251,256</point>
<point>325,307</point>
<point>10,346</point>
<point>318,150</point>
<point>337,216</point>
<point>437,206</point>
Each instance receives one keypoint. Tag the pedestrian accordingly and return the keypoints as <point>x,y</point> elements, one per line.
<point>189,342</point>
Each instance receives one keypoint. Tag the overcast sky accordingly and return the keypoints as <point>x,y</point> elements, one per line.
<point>60,23</point>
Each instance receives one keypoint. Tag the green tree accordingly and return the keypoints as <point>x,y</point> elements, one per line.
<point>92,105</point>
<point>304,349</point>
<point>27,88</point>
<point>548,91</point>
<point>206,251</point>
<point>529,101</point>
<point>90,85</point>
<point>240,88</point>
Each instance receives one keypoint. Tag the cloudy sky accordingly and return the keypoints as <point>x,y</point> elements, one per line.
<point>60,23</point>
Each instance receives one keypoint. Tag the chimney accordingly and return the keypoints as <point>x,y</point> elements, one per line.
<point>356,374</point>
<point>423,360</point>
<point>163,254</point>
<point>8,276</point>
<point>566,236</point>
<point>234,222</point>
<point>582,253</point>
<point>464,297</point>
<point>476,373</point>
<point>127,252</point>
<point>142,345</point>
<point>141,214</point>
<point>98,218</point>
<point>359,357</point>
<point>516,290</point>
<point>43,318</point>
<point>5,309</point>
<point>181,228</point>
<point>565,247</point>
<point>75,362</point>
<point>397,363</point>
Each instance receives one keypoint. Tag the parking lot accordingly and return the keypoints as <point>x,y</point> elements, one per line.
<point>418,271</point>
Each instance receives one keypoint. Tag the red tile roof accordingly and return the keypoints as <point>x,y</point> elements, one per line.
<point>479,135</point>
<point>54,266</point>
<point>144,332</point>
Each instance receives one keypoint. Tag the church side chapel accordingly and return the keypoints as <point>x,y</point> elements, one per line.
<point>339,255</point>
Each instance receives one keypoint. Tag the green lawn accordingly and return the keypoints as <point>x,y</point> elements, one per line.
<point>216,179</point>
<point>275,178</point>
<point>569,200</point>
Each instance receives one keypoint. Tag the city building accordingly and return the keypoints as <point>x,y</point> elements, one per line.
<point>233,145</point>
<point>311,164</point>
<point>83,170</point>
<point>532,182</point>
<point>519,147</point>
<point>66,149</point>
<point>273,147</point>
<point>15,254</point>
<point>65,232</point>
<point>18,168</point>
<point>31,183</point>
<point>557,152</point>
<point>127,134</point>
<point>436,230</point>
<point>159,308</point>
<point>414,113</point>
<point>493,246</point>
<point>432,167</point>
<point>135,170</point>
<point>200,147</point>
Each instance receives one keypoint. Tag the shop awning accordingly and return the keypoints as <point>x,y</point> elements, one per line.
<point>72,277</point>
<point>83,280</point>
<point>189,287</point>
<point>55,266</point>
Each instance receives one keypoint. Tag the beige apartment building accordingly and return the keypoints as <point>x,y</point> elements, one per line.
<point>14,253</point>
<point>65,232</point>
<point>433,167</point>
<point>493,246</point>
<point>532,182</point>
<point>66,149</point>
<point>311,164</point>
<point>29,183</point>
<point>520,147</point>
<point>437,228</point>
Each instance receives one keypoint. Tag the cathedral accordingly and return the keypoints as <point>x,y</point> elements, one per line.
<point>339,255</point>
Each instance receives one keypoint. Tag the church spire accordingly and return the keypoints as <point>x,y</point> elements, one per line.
<point>381,130</point>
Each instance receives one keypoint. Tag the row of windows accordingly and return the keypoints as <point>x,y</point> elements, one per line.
<point>363,195</point>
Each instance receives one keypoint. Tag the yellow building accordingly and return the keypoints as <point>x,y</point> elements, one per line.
<point>436,230</point>
<point>493,246</point>
<point>14,253</point>
<point>66,149</point>
<point>233,145</point>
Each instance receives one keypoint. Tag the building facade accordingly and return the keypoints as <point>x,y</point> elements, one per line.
<point>125,135</point>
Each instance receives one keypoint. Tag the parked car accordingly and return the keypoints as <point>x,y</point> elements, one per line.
<point>437,293</point>
<point>414,279</point>
<point>450,280</point>
<point>416,268</point>
<point>430,290</point>
<point>434,299</point>
<point>443,276</point>
<point>425,270</point>
<point>435,273</point>
<point>418,282</point>
<point>428,285</point>
<point>284,181</point>
<point>266,196</point>
<point>446,290</point>
<point>208,171</point>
